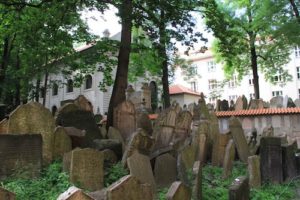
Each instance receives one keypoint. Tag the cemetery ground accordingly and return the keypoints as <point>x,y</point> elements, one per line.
<point>54,181</point>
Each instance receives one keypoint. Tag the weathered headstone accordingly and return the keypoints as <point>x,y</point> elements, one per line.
<point>6,195</point>
<point>146,95</point>
<point>165,170</point>
<point>197,185</point>
<point>271,159</point>
<point>185,161</point>
<point>74,193</point>
<point>239,189</point>
<point>183,125</point>
<point>83,103</point>
<point>140,167</point>
<point>241,103</point>
<point>3,126</point>
<point>125,119</point>
<point>228,159</point>
<point>219,146</point>
<point>20,152</point>
<point>34,118</point>
<point>239,139</point>
<point>297,103</point>
<point>202,150</point>
<point>115,134</point>
<point>224,106</point>
<point>87,168</point>
<point>254,171</point>
<point>71,115</point>
<point>62,143</point>
<point>178,191</point>
<point>276,102</point>
<point>76,135</point>
<point>109,157</point>
<point>144,122</point>
<point>111,144</point>
<point>129,187</point>
<point>256,104</point>
<point>289,164</point>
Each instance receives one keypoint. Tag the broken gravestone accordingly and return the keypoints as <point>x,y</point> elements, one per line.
<point>178,191</point>
<point>165,170</point>
<point>239,189</point>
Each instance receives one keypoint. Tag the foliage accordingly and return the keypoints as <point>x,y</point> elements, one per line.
<point>114,173</point>
<point>162,193</point>
<point>47,187</point>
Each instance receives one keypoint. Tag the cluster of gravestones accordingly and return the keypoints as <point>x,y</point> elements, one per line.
<point>242,103</point>
<point>169,152</point>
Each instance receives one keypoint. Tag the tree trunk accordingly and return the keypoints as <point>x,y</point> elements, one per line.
<point>45,88</point>
<point>120,84</point>
<point>18,85</point>
<point>3,66</point>
<point>295,10</point>
<point>163,54</point>
<point>254,69</point>
<point>37,89</point>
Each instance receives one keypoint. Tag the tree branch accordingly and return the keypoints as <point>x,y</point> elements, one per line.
<point>295,9</point>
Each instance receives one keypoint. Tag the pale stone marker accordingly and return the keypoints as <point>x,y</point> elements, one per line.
<point>228,159</point>
<point>6,195</point>
<point>178,191</point>
<point>129,188</point>
<point>239,139</point>
<point>74,193</point>
<point>62,143</point>
<point>34,118</point>
<point>256,104</point>
<point>239,189</point>
<point>254,171</point>
<point>241,103</point>
<point>276,102</point>
<point>165,170</point>
<point>297,103</point>
<point>87,168</point>
<point>140,167</point>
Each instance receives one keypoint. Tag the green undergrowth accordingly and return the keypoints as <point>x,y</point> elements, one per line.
<point>48,186</point>
<point>114,173</point>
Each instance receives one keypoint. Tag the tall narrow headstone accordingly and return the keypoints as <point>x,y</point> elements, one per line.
<point>165,170</point>
<point>254,171</point>
<point>228,159</point>
<point>239,189</point>
<point>183,125</point>
<point>271,159</point>
<point>239,139</point>
<point>219,147</point>
<point>241,103</point>
<point>178,191</point>
<point>202,150</point>
<point>289,161</point>
<point>197,185</point>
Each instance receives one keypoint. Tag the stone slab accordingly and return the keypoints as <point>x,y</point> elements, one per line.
<point>178,191</point>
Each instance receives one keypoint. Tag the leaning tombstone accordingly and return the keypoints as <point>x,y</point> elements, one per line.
<point>197,185</point>
<point>219,147</point>
<point>20,152</point>
<point>87,168</point>
<point>241,103</point>
<point>129,187</point>
<point>239,189</point>
<point>74,193</point>
<point>254,171</point>
<point>289,161</point>
<point>34,118</point>
<point>239,139</point>
<point>6,195</point>
<point>125,119</point>
<point>228,159</point>
<point>185,161</point>
<point>62,143</point>
<point>178,191</point>
<point>202,149</point>
<point>165,170</point>
<point>271,159</point>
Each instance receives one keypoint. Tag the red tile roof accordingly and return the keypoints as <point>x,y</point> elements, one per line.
<point>179,89</point>
<point>152,116</point>
<point>254,112</point>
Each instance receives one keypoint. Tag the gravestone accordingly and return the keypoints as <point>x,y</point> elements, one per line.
<point>140,142</point>
<point>87,168</point>
<point>256,104</point>
<point>62,143</point>
<point>185,162</point>
<point>165,170</point>
<point>202,150</point>
<point>178,191</point>
<point>74,193</point>
<point>76,135</point>
<point>241,103</point>
<point>34,118</point>
<point>3,126</point>
<point>6,195</point>
<point>239,189</point>
<point>228,159</point>
<point>83,103</point>
<point>197,185</point>
<point>129,187</point>
<point>144,122</point>
<point>239,139</point>
<point>20,152</point>
<point>125,119</point>
<point>218,151</point>
<point>71,115</point>
<point>109,157</point>
<point>224,105</point>
<point>139,166</point>
<point>254,171</point>
<point>276,102</point>
<point>271,159</point>
<point>297,103</point>
<point>289,164</point>
<point>213,126</point>
<point>183,125</point>
<point>204,113</point>
<point>111,144</point>
<point>115,134</point>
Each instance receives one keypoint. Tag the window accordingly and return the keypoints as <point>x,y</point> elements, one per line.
<point>252,96</point>
<point>277,78</point>
<point>212,84</point>
<point>297,51</point>
<point>69,86</point>
<point>88,82</point>
<point>251,81</point>
<point>194,70</point>
<point>298,72</point>
<point>54,89</point>
<point>276,93</point>
<point>194,86</point>
<point>211,66</point>
<point>232,82</point>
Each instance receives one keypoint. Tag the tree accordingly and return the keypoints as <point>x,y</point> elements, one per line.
<point>249,36</point>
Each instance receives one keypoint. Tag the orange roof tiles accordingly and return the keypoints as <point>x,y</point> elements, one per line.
<point>179,89</point>
<point>152,116</point>
<point>254,112</point>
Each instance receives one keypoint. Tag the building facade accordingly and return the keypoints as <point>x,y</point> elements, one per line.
<point>210,80</point>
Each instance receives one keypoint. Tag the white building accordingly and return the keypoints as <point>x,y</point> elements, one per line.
<point>211,74</point>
